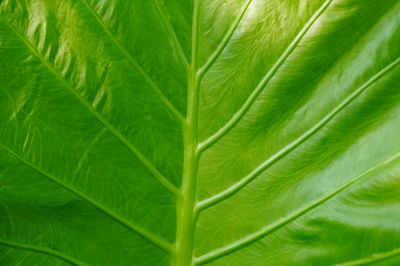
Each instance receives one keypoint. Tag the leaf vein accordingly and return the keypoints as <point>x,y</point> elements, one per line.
<point>290,147</point>
<point>373,259</point>
<point>148,79</point>
<point>43,250</point>
<point>162,179</point>
<point>172,34</point>
<point>264,81</point>
<point>245,241</point>
<point>220,48</point>
<point>142,232</point>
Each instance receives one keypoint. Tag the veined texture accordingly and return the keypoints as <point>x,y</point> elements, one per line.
<point>192,132</point>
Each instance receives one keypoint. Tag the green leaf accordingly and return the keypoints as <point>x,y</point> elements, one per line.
<point>191,132</point>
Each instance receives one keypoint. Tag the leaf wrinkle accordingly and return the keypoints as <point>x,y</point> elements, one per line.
<point>162,179</point>
<point>171,108</point>
<point>172,34</point>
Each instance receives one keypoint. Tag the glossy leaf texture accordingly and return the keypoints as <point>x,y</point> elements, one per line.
<point>192,132</point>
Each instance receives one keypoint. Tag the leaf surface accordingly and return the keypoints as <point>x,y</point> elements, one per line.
<point>192,132</point>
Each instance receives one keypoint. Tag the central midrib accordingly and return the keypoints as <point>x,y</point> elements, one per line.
<point>186,199</point>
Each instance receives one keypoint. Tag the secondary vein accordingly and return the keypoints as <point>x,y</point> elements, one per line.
<point>145,234</point>
<point>43,250</point>
<point>294,216</point>
<point>264,81</point>
<point>162,179</point>
<point>220,48</point>
<point>174,38</point>
<point>290,147</point>
<point>148,79</point>
<point>373,259</point>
